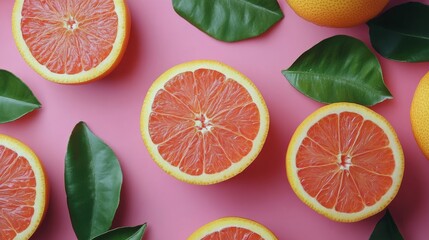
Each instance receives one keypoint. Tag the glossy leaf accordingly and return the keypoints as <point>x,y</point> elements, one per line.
<point>386,229</point>
<point>402,33</point>
<point>16,99</point>
<point>339,69</point>
<point>93,180</point>
<point>124,233</point>
<point>230,20</point>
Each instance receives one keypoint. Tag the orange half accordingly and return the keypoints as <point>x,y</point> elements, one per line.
<point>72,41</point>
<point>23,190</point>
<point>233,228</point>
<point>204,122</point>
<point>345,162</point>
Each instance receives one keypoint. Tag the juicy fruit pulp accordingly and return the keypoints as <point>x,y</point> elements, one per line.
<point>350,155</point>
<point>21,194</point>
<point>233,233</point>
<point>346,163</point>
<point>211,130</point>
<point>202,122</point>
<point>68,38</point>
<point>16,196</point>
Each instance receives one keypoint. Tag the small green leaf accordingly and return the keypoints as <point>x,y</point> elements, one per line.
<point>402,33</point>
<point>339,69</point>
<point>230,20</point>
<point>386,229</point>
<point>16,99</point>
<point>93,180</point>
<point>124,233</point>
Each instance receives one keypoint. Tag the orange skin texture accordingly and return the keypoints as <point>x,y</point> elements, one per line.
<point>419,115</point>
<point>337,13</point>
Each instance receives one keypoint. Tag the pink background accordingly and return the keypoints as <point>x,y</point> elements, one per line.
<point>111,107</point>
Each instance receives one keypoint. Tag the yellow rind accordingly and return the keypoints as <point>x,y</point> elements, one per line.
<point>300,134</point>
<point>337,13</point>
<point>221,223</point>
<point>236,168</point>
<point>42,185</point>
<point>97,73</point>
<point>419,115</point>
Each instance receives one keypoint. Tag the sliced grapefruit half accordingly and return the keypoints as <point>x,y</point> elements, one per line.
<point>23,190</point>
<point>72,41</point>
<point>345,162</point>
<point>233,228</point>
<point>204,122</point>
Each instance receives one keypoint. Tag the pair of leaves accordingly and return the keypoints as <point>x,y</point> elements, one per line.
<point>386,229</point>
<point>402,33</point>
<point>16,99</point>
<point>342,68</point>
<point>339,69</point>
<point>93,180</point>
<point>230,20</point>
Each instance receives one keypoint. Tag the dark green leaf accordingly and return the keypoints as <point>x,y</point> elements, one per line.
<point>339,69</point>
<point>386,229</point>
<point>124,233</point>
<point>402,33</point>
<point>230,20</point>
<point>16,99</point>
<point>93,180</point>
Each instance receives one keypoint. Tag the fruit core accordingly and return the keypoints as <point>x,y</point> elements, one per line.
<point>345,161</point>
<point>202,123</point>
<point>70,23</point>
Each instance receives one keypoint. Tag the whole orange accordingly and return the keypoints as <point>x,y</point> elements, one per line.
<point>337,13</point>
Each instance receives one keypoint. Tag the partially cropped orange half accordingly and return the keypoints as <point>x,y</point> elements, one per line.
<point>23,190</point>
<point>345,162</point>
<point>203,122</point>
<point>233,228</point>
<point>74,41</point>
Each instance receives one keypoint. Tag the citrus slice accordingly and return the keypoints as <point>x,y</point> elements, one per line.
<point>337,13</point>
<point>73,41</point>
<point>419,115</point>
<point>23,190</point>
<point>203,122</point>
<point>345,162</point>
<point>233,228</point>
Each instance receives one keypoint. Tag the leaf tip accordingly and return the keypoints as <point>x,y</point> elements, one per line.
<point>82,124</point>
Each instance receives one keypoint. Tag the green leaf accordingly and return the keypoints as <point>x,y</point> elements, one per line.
<point>402,33</point>
<point>339,69</point>
<point>16,99</point>
<point>93,180</point>
<point>386,229</point>
<point>124,233</point>
<point>230,20</point>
